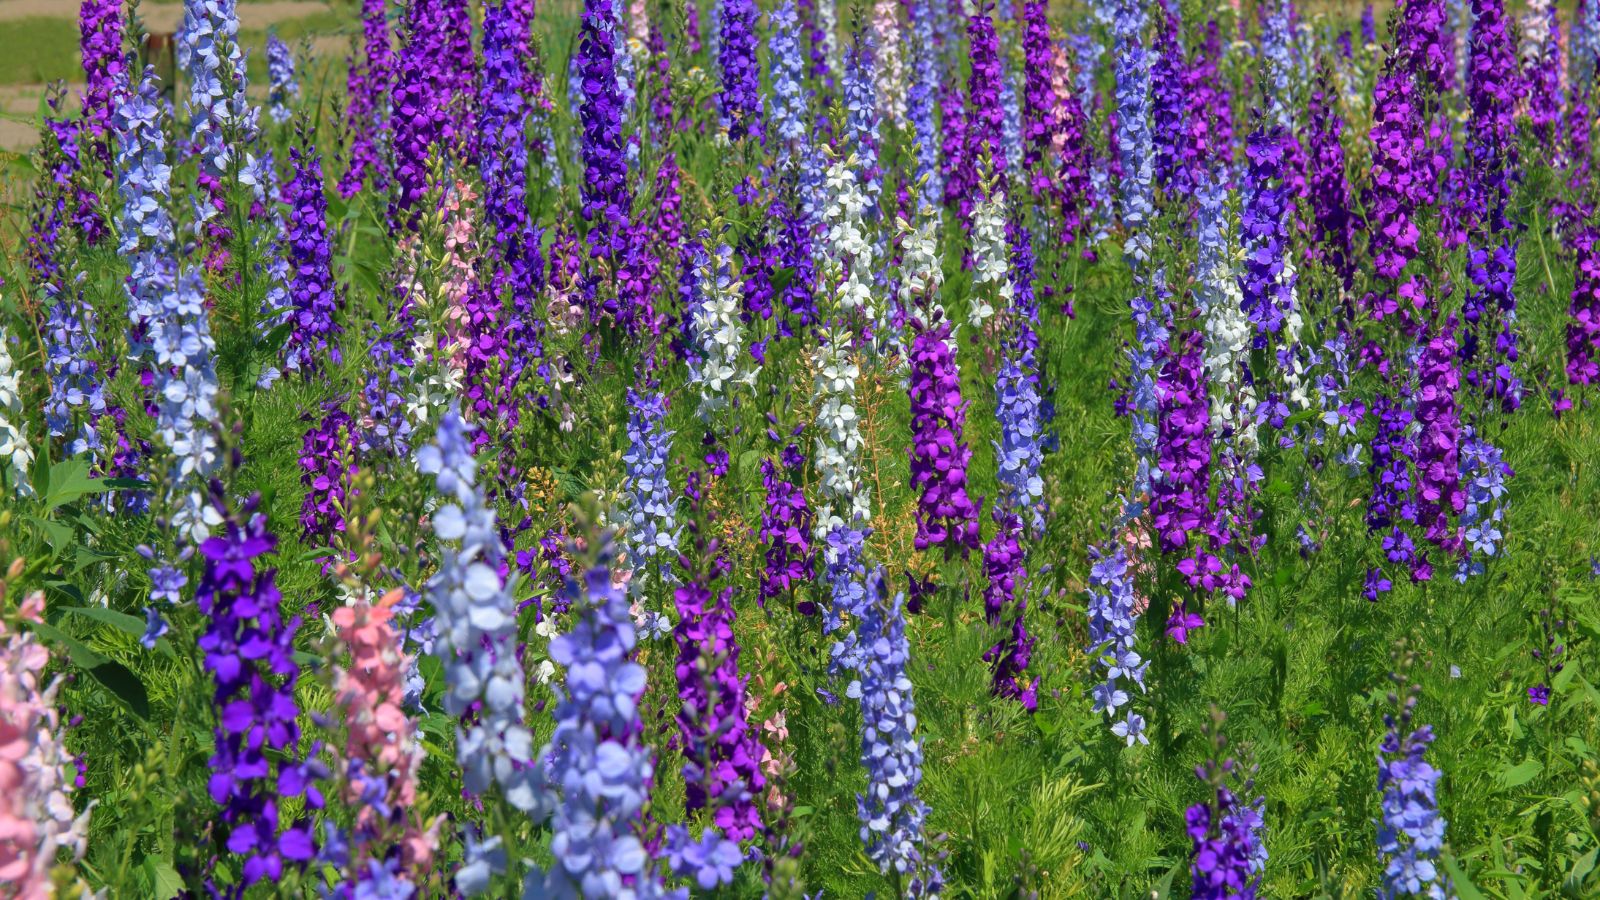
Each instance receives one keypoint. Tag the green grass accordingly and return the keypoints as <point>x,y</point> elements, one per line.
<point>40,49</point>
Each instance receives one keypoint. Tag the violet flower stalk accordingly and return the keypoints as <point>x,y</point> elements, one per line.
<point>740,98</point>
<point>1490,308</point>
<point>605,195</point>
<point>1332,222</point>
<point>651,535</point>
<point>788,106</point>
<point>1040,105</point>
<point>1168,109</point>
<point>946,517</point>
<point>596,756</point>
<point>922,100</point>
<point>1180,496</point>
<point>316,298</point>
<point>416,109</point>
<point>369,111</point>
<point>786,525</point>
<point>100,26</point>
<point>1134,138</point>
<point>515,263</point>
<point>1113,641</point>
<point>283,88</point>
<point>985,119</point>
<point>891,814</point>
<point>327,465</point>
<point>1228,855</point>
<point>721,770</point>
<point>1439,495</point>
<point>249,651</point>
<point>1583,327</point>
<point>861,119</point>
<point>476,627</point>
<point>1411,830</point>
<point>168,306</point>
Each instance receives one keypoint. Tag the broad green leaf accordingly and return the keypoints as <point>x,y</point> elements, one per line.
<point>121,621</point>
<point>114,676</point>
<point>1464,888</point>
<point>165,883</point>
<point>1521,773</point>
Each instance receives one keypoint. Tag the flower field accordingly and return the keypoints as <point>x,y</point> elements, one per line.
<point>793,449</point>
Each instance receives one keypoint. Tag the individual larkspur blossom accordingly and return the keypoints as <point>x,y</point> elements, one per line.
<point>922,98</point>
<point>1135,142</point>
<point>596,756</point>
<point>1411,830</point>
<point>719,336</point>
<point>891,814</point>
<point>1484,472</point>
<point>1228,855</point>
<point>651,534</point>
<point>249,651</point>
<point>946,516</point>
<point>369,111</point>
<point>788,105</point>
<point>327,463</point>
<point>1113,641</point>
<point>1583,327</point>
<point>36,814</point>
<point>721,769</point>
<point>605,195</point>
<point>475,617</point>
<point>316,299</point>
<point>168,305</point>
<point>104,68</point>
<point>740,98</point>
<point>283,89</point>
<point>993,289</point>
